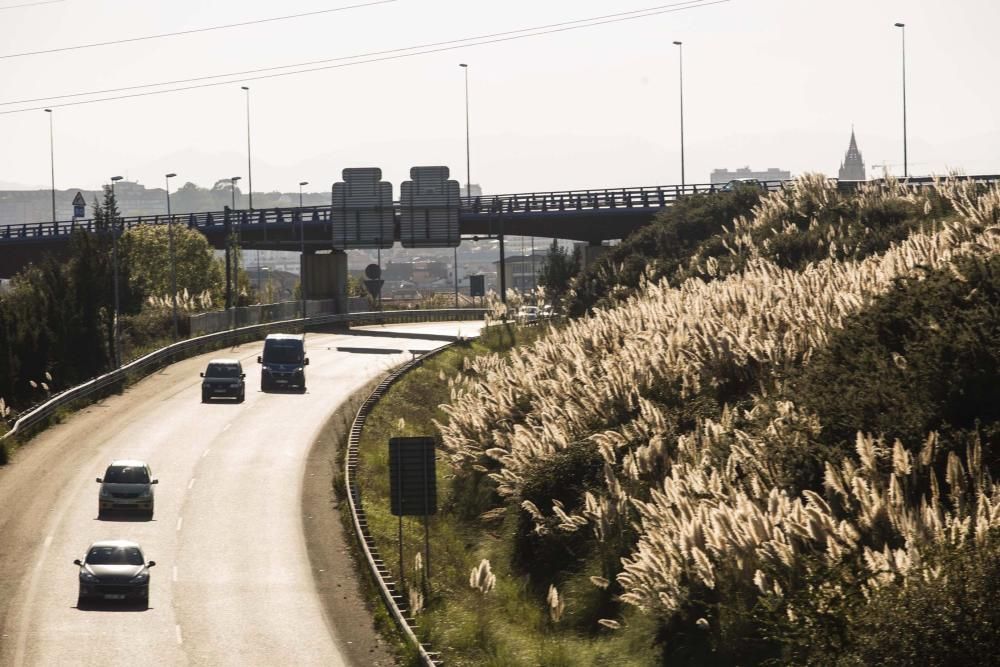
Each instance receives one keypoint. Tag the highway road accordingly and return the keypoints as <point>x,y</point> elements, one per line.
<point>232,584</point>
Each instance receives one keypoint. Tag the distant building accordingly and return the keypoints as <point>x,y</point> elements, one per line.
<point>477,190</point>
<point>853,167</point>
<point>772,174</point>
<point>522,271</point>
<point>420,272</point>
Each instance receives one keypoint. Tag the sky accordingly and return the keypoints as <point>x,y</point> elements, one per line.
<point>767,83</point>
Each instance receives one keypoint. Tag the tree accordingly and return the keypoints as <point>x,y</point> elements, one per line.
<point>147,248</point>
<point>558,269</point>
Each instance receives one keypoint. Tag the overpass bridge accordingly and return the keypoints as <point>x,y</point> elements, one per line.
<point>590,216</point>
<point>321,232</point>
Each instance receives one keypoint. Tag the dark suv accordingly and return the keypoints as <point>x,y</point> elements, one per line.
<point>223,377</point>
<point>283,364</point>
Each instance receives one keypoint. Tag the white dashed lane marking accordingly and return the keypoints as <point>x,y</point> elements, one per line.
<point>191,483</point>
<point>180,522</point>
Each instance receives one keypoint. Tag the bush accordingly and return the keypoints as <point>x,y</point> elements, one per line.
<point>924,357</point>
<point>951,619</point>
<point>565,477</point>
<point>661,248</point>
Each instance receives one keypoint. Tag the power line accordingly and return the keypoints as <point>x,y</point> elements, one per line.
<point>32,4</point>
<point>186,32</point>
<point>371,57</point>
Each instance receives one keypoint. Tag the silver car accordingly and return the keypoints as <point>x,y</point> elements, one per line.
<point>126,485</point>
<point>114,570</point>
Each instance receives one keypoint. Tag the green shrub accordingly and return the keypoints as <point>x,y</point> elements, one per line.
<point>950,619</point>
<point>564,477</point>
<point>660,248</point>
<point>926,356</point>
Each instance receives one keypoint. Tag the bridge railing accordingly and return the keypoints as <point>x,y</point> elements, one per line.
<point>180,350</point>
<point>644,198</point>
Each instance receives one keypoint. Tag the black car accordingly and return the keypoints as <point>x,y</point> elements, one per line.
<point>223,378</point>
<point>114,570</point>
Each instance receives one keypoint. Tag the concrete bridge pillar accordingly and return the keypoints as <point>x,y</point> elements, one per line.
<point>324,276</point>
<point>593,252</point>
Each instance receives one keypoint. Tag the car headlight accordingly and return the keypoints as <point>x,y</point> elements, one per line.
<point>299,369</point>
<point>88,577</point>
<point>146,493</point>
<point>105,493</point>
<point>140,578</point>
<point>234,385</point>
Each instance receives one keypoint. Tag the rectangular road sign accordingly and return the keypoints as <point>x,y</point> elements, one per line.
<point>362,214</point>
<point>412,478</point>
<point>428,209</point>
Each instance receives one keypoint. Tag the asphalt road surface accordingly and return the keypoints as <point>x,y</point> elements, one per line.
<point>232,584</point>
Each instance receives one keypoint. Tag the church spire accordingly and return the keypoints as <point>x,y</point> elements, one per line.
<point>853,167</point>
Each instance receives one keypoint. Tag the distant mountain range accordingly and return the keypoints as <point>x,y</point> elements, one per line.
<point>8,185</point>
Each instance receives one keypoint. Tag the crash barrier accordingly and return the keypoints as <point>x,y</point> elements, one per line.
<point>392,595</point>
<point>154,360</point>
<point>244,316</point>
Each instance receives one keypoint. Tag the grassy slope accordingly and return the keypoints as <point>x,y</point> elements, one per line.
<point>508,626</point>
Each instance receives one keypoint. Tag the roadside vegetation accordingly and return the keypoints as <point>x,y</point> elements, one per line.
<point>773,439</point>
<point>57,318</point>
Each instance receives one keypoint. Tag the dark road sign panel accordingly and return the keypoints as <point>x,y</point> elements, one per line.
<point>477,285</point>
<point>412,478</point>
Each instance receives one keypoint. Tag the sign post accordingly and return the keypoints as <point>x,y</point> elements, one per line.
<point>413,489</point>
<point>79,206</point>
<point>477,287</point>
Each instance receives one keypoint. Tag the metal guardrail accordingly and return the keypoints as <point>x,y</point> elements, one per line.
<point>397,605</point>
<point>156,359</point>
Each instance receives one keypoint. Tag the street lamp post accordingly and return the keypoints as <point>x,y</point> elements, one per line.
<point>236,246</point>
<point>302,250</point>
<point>173,259</point>
<point>680,51</point>
<point>249,171</point>
<point>468,168</point>
<point>902,31</point>
<point>232,182</point>
<point>114,263</point>
<point>52,164</point>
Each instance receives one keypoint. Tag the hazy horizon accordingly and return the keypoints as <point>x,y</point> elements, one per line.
<point>767,83</point>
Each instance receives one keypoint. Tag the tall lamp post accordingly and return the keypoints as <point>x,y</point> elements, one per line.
<point>468,168</point>
<point>680,52</point>
<point>902,31</point>
<point>249,171</point>
<point>114,263</point>
<point>302,251</point>
<point>236,249</point>
<point>173,259</point>
<point>52,163</point>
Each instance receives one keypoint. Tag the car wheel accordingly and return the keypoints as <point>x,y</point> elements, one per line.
<point>242,396</point>
<point>81,601</point>
<point>144,600</point>
<point>149,515</point>
<point>204,397</point>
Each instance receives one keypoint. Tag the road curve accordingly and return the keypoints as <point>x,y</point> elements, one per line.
<point>232,585</point>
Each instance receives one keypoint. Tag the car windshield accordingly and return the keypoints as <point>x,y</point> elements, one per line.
<point>114,556</point>
<point>282,353</point>
<point>126,475</point>
<point>222,371</point>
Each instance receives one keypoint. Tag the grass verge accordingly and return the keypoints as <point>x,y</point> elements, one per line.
<point>509,625</point>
